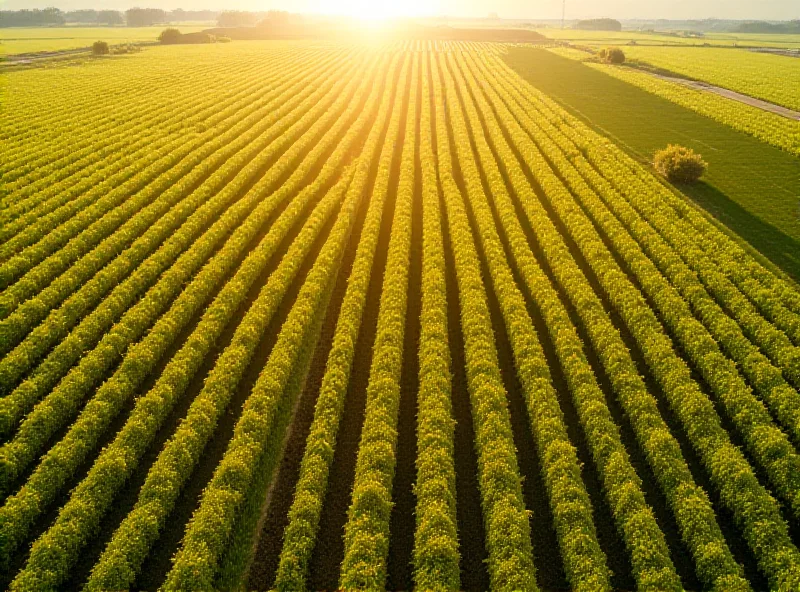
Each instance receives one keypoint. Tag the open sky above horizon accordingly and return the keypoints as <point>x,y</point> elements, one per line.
<point>622,9</point>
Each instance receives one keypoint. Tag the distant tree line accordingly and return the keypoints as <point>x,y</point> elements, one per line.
<point>240,18</point>
<point>31,18</point>
<point>789,27</point>
<point>135,17</point>
<point>600,24</point>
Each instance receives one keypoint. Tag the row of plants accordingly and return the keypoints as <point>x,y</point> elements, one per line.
<point>366,533</point>
<point>756,513</point>
<point>646,198</point>
<point>58,243</point>
<point>436,548</point>
<point>48,126</point>
<point>110,154</point>
<point>505,517</point>
<point>584,561</point>
<point>204,542</point>
<point>309,496</point>
<point>734,333</point>
<point>64,459</point>
<point>108,474</point>
<point>96,325</point>
<point>82,291</point>
<point>62,403</point>
<point>770,295</point>
<point>693,512</point>
<point>652,566</point>
<point>769,447</point>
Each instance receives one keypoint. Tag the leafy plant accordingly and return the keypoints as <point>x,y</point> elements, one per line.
<point>680,164</point>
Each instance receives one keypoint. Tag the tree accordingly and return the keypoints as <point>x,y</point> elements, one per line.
<point>110,17</point>
<point>31,18</point>
<point>600,24</point>
<point>612,55</point>
<point>680,164</point>
<point>170,36</point>
<point>236,18</point>
<point>145,17</point>
<point>100,48</point>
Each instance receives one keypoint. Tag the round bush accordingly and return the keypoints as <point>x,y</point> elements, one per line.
<point>100,48</point>
<point>680,164</point>
<point>170,36</point>
<point>613,55</point>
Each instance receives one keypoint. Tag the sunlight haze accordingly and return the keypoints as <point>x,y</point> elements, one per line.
<point>542,9</point>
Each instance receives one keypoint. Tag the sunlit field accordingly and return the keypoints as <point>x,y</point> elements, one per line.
<point>390,314</point>
<point>34,39</point>
<point>647,38</point>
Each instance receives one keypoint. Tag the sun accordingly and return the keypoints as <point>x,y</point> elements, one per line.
<point>375,10</point>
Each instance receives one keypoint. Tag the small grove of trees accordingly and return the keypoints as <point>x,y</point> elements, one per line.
<point>172,36</point>
<point>680,164</point>
<point>237,18</point>
<point>600,24</point>
<point>31,18</point>
<point>145,17</point>
<point>100,48</point>
<point>100,17</point>
<point>612,55</point>
<point>276,17</point>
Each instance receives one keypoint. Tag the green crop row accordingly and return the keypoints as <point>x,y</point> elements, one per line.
<point>61,404</point>
<point>61,462</point>
<point>195,563</point>
<point>436,549</point>
<point>105,158</point>
<point>692,510</point>
<point>304,514</point>
<point>94,326</point>
<point>505,518</point>
<point>366,538</point>
<point>652,565</point>
<point>755,511</point>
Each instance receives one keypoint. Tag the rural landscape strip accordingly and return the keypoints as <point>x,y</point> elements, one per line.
<point>377,277</point>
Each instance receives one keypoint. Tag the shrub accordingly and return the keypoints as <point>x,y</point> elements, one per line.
<point>223,39</point>
<point>680,164</point>
<point>612,55</point>
<point>170,36</point>
<point>100,48</point>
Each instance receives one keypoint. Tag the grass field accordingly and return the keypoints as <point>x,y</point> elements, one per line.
<point>750,186</point>
<point>36,39</point>
<point>302,315</point>
<point>773,78</point>
<point>781,132</point>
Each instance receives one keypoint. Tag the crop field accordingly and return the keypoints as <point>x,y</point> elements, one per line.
<point>583,37</point>
<point>781,132</point>
<point>750,186</point>
<point>325,315</point>
<point>19,40</point>
<point>773,78</point>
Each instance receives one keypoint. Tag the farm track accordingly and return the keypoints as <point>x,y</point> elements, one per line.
<point>390,319</point>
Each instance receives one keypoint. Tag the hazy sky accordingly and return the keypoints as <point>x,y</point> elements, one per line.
<point>626,9</point>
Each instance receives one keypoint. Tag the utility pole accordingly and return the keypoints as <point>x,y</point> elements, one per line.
<point>563,12</point>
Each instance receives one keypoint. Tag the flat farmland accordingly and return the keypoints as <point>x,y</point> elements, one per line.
<point>376,315</point>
